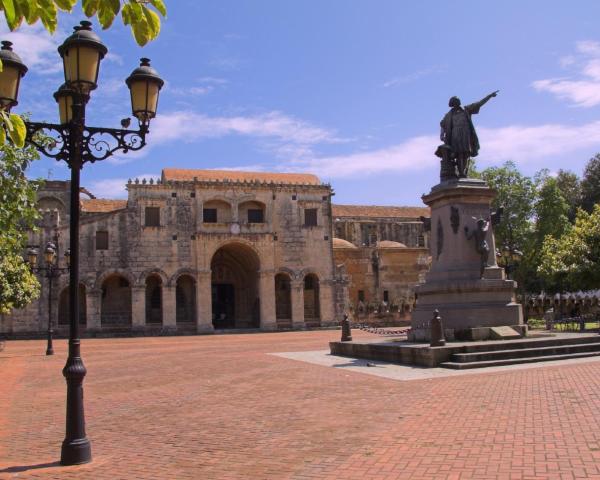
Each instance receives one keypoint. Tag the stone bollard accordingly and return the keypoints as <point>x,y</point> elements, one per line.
<point>437,331</point>
<point>346,332</point>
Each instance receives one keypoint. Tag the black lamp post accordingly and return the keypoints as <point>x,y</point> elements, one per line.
<point>51,271</point>
<point>77,144</point>
<point>510,258</point>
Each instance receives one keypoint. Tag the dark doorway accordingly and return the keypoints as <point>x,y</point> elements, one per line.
<point>223,301</point>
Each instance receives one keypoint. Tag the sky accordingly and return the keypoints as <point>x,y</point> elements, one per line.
<point>350,90</point>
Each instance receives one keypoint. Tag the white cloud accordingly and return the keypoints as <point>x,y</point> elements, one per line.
<point>36,47</point>
<point>583,89</point>
<point>525,145</point>
<point>190,126</point>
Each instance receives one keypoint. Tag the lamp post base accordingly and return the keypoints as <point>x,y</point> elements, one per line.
<point>76,452</point>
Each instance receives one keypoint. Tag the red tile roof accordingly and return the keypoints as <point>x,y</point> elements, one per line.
<point>376,211</point>
<point>102,205</point>
<point>180,174</point>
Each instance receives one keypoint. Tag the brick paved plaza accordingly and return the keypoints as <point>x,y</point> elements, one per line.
<point>221,407</point>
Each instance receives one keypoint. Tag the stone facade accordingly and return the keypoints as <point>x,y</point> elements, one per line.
<point>196,251</point>
<point>383,254</point>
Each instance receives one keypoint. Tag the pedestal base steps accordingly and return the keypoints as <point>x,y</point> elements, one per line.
<point>466,355</point>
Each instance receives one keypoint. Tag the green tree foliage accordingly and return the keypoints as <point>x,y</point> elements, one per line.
<point>574,258</point>
<point>570,187</point>
<point>18,214</point>
<point>141,15</point>
<point>590,184</point>
<point>551,210</point>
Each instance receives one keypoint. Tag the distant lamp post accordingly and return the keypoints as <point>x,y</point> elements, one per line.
<point>51,270</point>
<point>77,144</point>
<point>509,258</point>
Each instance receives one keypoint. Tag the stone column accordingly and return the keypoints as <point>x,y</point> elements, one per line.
<point>267,300</point>
<point>138,307</point>
<point>169,315</point>
<point>204,302</point>
<point>326,304</point>
<point>94,305</point>
<point>297,287</point>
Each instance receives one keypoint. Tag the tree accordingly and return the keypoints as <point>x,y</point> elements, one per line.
<point>551,210</point>
<point>18,214</point>
<point>590,183</point>
<point>143,20</point>
<point>575,256</point>
<point>570,187</point>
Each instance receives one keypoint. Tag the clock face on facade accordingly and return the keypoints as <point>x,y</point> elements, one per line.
<point>235,228</point>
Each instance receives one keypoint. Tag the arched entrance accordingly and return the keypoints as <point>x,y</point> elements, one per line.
<point>312,307</point>
<point>235,301</point>
<point>283,301</point>
<point>115,310</point>
<point>185,299</point>
<point>63,306</point>
<point>154,311</point>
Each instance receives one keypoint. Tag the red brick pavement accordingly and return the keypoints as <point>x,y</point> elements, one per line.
<point>219,407</point>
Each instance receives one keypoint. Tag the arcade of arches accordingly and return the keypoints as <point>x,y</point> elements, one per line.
<point>236,283</point>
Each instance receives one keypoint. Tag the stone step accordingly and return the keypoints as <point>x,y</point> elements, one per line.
<point>530,343</point>
<point>514,361</point>
<point>558,349</point>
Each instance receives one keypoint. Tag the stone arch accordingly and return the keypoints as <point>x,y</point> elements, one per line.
<point>223,207</point>
<point>283,300</point>
<point>312,303</point>
<point>235,270</point>
<point>50,202</point>
<point>154,305</point>
<point>63,305</point>
<point>246,208</point>
<point>102,276</point>
<point>288,271</point>
<point>251,246</point>
<point>182,271</point>
<point>152,271</point>
<point>115,307</point>
<point>185,298</point>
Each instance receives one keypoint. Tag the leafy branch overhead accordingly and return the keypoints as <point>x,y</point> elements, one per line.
<point>141,15</point>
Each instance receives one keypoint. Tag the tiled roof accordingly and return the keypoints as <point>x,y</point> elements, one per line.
<point>375,211</point>
<point>102,205</point>
<point>179,174</point>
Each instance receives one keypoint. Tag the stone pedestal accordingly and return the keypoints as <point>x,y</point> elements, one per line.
<point>455,286</point>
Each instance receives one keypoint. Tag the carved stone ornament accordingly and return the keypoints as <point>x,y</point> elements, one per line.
<point>454,219</point>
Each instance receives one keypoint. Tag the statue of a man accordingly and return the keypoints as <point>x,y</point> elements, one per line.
<point>458,134</point>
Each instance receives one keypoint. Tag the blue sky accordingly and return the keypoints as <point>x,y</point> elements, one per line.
<point>350,90</point>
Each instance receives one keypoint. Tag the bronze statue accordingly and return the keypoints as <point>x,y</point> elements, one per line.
<point>459,137</point>
<point>481,245</point>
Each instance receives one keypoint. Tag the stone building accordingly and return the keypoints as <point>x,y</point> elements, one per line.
<point>384,253</point>
<point>205,250</point>
<point>198,250</point>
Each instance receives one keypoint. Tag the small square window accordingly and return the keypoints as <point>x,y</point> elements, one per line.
<point>255,215</point>
<point>174,237</point>
<point>174,194</point>
<point>101,240</point>
<point>193,195</point>
<point>310,217</point>
<point>294,197</point>
<point>152,217</point>
<point>209,215</point>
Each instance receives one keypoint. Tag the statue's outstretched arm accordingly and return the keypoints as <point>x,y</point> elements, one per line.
<point>485,99</point>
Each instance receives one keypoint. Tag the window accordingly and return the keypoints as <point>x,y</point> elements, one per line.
<point>421,241</point>
<point>386,296</point>
<point>152,217</point>
<point>310,217</point>
<point>101,240</point>
<point>209,215</point>
<point>361,295</point>
<point>255,215</point>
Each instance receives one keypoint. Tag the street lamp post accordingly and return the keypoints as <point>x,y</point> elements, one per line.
<point>51,271</point>
<point>77,144</point>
